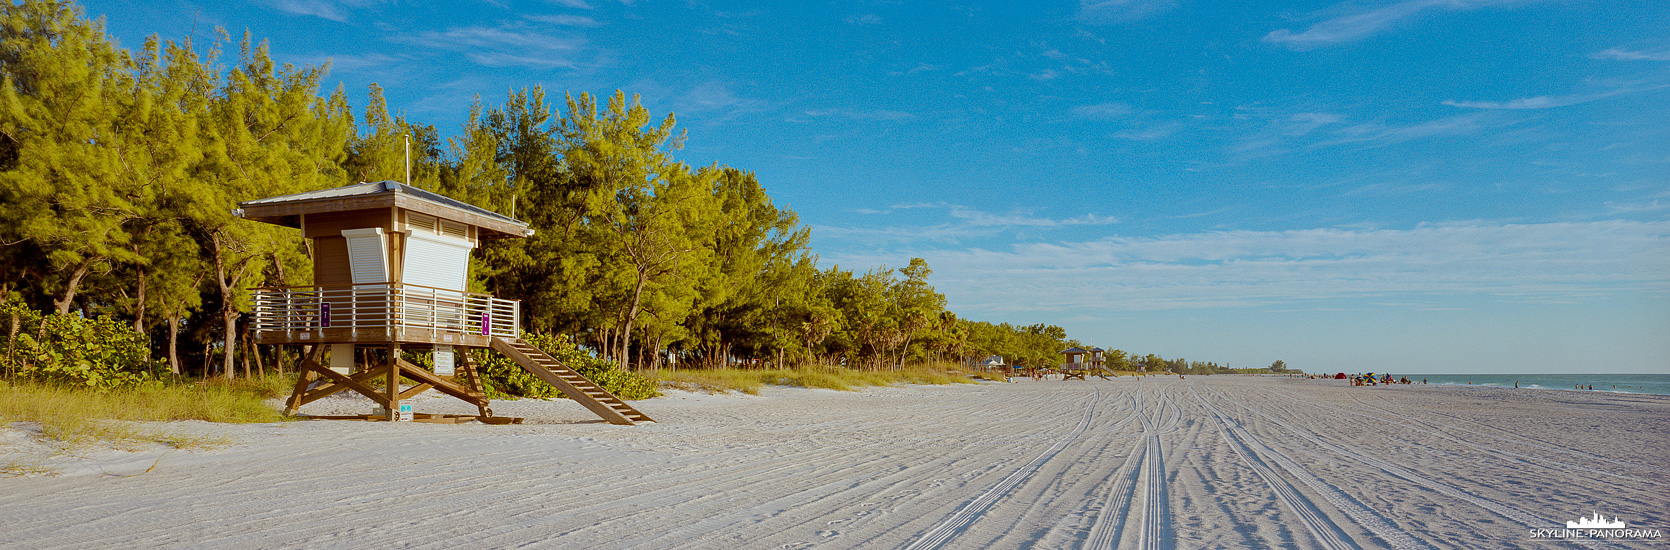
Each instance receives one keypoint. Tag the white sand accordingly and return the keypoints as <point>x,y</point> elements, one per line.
<point>1233,462</point>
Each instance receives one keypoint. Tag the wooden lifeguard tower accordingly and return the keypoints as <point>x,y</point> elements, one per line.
<point>391,264</point>
<point>1077,362</point>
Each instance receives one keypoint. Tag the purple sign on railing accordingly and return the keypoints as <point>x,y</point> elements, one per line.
<point>486,324</point>
<point>325,315</point>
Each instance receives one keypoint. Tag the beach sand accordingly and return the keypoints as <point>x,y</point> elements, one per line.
<point>1219,461</point>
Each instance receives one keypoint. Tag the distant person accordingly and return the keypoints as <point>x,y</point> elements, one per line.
<point>1423,381</point>
<point>1516,384</point>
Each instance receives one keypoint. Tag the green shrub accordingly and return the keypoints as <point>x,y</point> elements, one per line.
<point>503,378</point>
<point>98,353</point>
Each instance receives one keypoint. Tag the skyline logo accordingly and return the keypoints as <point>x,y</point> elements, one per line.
<point>1596,522</point>
<point>1597,527</point>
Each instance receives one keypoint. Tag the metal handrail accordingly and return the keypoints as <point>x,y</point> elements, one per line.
<point>383,306</point>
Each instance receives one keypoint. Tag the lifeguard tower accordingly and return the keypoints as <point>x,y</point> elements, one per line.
<point>391,264</point>
<point>1077,362</point>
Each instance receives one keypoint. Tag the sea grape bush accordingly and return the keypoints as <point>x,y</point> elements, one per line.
<point>98,353</point>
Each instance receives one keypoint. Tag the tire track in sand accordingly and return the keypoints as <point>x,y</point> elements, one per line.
<point>1508,511</point>
<point>1116,504</point>
<point>940,534</point>
<point>1258,455</point>
<point>1156,518</point>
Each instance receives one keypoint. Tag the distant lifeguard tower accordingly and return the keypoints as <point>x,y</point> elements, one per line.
<point>1077,362</point>
<point>391,265</point>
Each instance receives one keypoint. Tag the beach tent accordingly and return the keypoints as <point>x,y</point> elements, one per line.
<point>1340,376</point>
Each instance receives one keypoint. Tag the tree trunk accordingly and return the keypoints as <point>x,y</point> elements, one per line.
<point>248,349</point>
<point>174,343</point>
<point>63,304</point>
<point>228,311</point>
<point>631,315</point>
<point>139,303</point>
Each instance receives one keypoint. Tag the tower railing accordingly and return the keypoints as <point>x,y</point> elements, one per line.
<point>380,308</point>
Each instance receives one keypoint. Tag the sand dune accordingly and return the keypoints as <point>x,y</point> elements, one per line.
<point>1234,462</point>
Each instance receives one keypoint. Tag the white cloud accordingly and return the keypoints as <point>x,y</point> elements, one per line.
<point>1150,133</point>
<point>323,9</point>
<point>1110,11</point>
<point>1381,134</point>
<point>1547,102</point>
<point>959,223</point>
<point>1539,102</point>
<point>1102,110</point>
<point>1356,23</point>
<point>508,45</point>
<point>576,4</point>
<point>863,20</point>
<point>880,115</point>
<point>716,96</point>
<point>566,20</point>
<point>1045,74</point>
<point>334,10</point>
<point>352,63</point>
<point>1630,55</point>
<point>1260,268</point>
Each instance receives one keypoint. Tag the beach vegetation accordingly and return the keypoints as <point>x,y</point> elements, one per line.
<point>750,381</point>
<point>119,170</point>
<point>69,416</point>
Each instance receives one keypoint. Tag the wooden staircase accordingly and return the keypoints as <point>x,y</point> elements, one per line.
<point>571,383</point>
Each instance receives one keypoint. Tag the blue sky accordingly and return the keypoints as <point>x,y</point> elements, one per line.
<point>1418,186</point>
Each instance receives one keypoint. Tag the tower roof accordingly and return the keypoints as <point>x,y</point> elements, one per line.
<point>286,210</point>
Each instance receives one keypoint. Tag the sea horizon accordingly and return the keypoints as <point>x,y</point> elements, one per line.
<point>1653,384</point>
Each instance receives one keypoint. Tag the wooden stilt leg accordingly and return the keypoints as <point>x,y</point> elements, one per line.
<point>473,381</point>
<point>393,389</point>
<point>304,378</point>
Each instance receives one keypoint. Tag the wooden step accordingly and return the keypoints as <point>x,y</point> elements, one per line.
<point>570,382</point>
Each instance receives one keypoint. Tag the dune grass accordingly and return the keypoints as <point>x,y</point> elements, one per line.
<point>71,418</point>
<point>750,381</point>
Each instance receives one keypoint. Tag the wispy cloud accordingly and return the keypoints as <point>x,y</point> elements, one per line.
<point>863,20</point>
<point>1548,102</point>
<point>1112,11</point>
<point>1262,268</point>
<point>952,223</point>
<point>1352,22</point>
<point>323,9</point>
<point>1385,134</point>
<point>1634,55</point>
<point>716,96</point>
<point>566,20</point>
<point>1149,133</point>
<point>879,115</point>
<point>355,63</point>
<point>1102,110</point>
<point>1539,102</point>
<point>503,46</point>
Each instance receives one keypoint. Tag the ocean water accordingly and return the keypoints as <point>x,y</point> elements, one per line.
<point>1630,383</point>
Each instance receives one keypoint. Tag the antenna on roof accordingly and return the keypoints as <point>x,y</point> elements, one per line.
<point>408,159</point>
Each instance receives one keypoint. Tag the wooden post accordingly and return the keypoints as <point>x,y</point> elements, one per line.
<point>392,392</point>
<point>304,378</point>
<point>473,380</point>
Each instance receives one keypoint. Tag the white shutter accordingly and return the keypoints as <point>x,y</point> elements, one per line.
<point>367,255</point>
<point>437,261</point>
<point>455,230</point>
<point>420,223</point>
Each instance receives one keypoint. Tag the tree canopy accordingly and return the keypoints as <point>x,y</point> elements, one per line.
<point>119,171</point>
